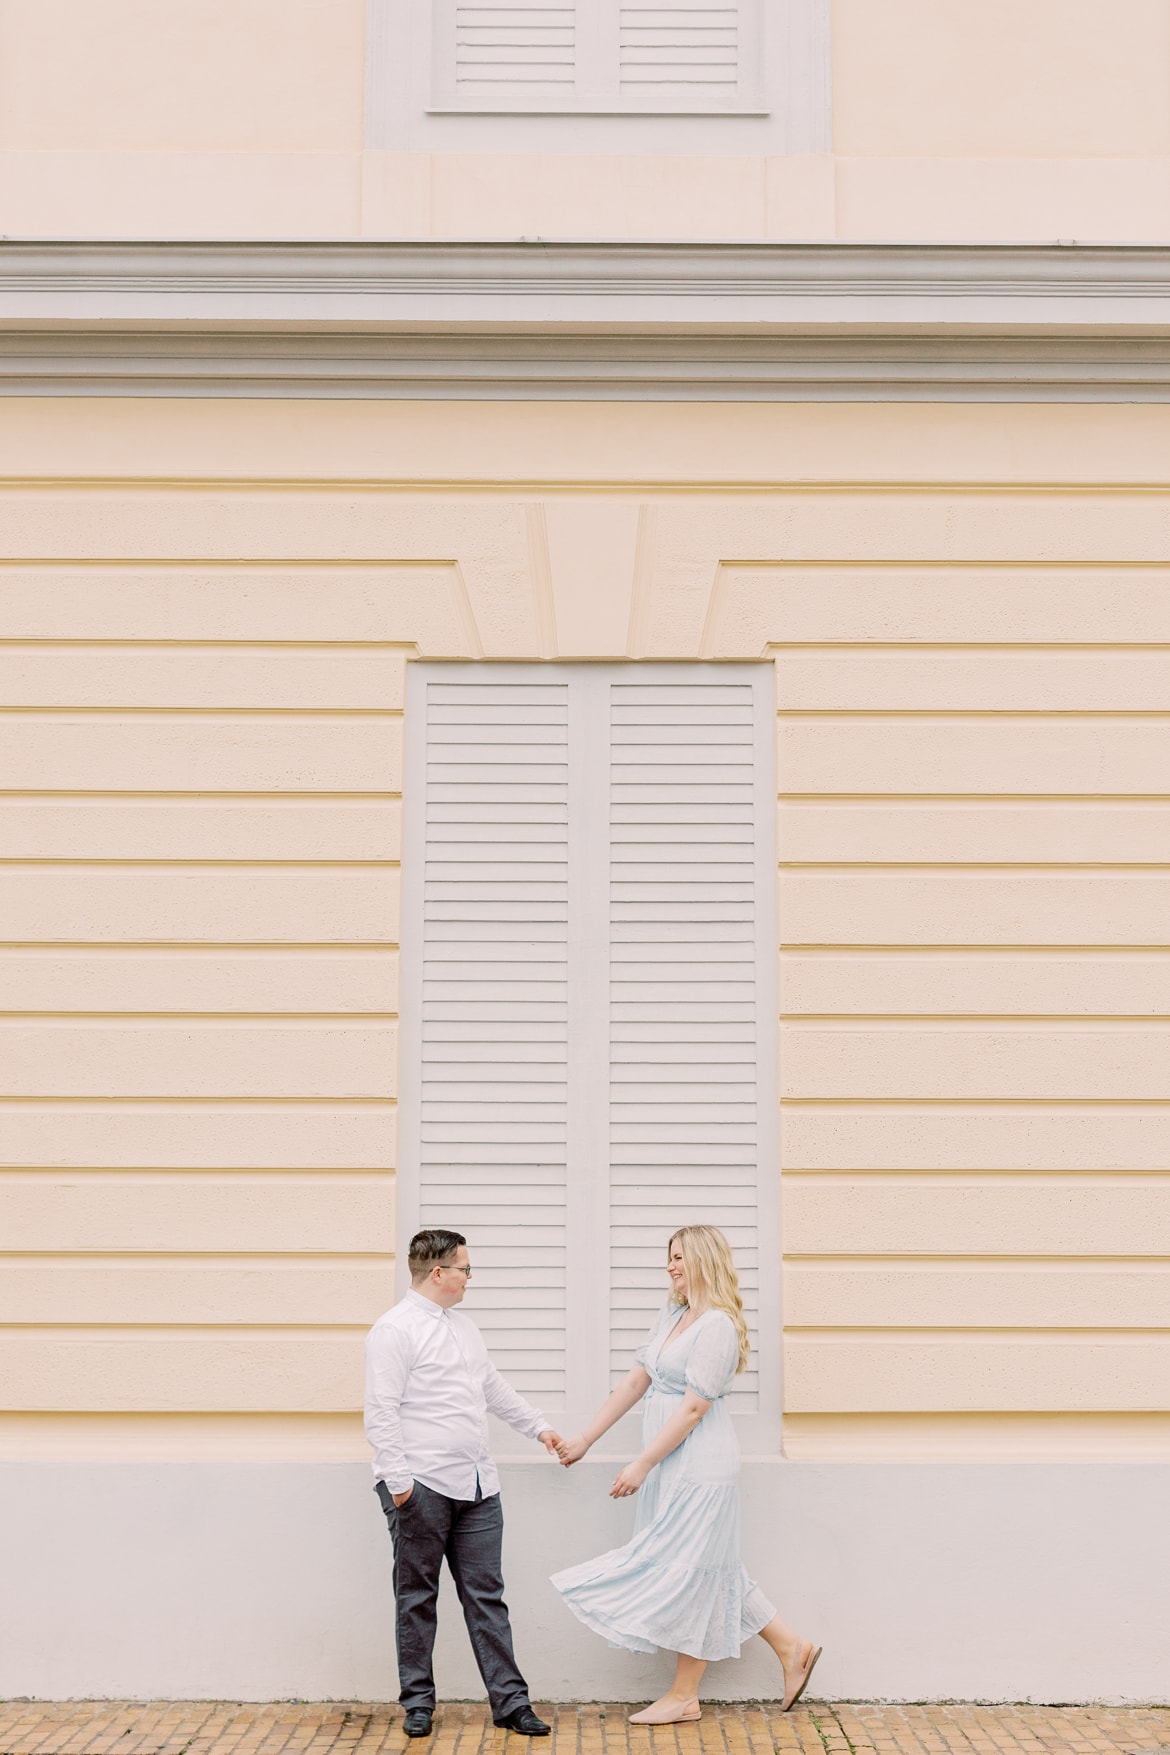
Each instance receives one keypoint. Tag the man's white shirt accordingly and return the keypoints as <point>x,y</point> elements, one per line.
<point>429,1388</point>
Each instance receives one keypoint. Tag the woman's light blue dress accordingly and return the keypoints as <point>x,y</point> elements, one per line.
<point>678,1584</point>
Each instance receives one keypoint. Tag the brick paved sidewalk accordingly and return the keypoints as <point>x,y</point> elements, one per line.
<point>337,1728</point>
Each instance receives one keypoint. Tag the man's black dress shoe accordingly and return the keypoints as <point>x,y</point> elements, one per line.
<point>524,1720</point>
<point>417,1722</point>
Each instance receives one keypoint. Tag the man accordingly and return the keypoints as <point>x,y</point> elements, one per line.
<point>429,1386</point>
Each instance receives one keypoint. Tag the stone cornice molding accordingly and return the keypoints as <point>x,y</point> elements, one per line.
<point>597,321</point>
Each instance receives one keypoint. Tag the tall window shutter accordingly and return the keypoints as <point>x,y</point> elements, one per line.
<point>683,947</point>
<point>492,1031</point>
<point>588,1038</point>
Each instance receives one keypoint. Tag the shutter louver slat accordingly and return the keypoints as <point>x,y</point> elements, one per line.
<point>494,1048</point>
<point>683,989</point>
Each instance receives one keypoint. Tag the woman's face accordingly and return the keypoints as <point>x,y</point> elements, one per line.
<point>676,1268</point>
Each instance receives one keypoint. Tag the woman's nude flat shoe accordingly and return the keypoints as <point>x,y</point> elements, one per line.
<point>648,1716</point>
<point>790,1700</point>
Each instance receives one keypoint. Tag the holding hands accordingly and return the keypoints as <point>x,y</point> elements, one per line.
<point>571,1450</point>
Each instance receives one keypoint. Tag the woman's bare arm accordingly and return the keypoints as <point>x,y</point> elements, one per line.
<point>627,1394</point>
<point>678,1428</point>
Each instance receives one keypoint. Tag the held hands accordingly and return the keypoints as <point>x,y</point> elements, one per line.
<point>629,1480</point>
<point>566,1450</point>
<point>570,1450</point>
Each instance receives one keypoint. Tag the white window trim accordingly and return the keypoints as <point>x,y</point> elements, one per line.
<point>588,1341</point>
<point>791,63</point>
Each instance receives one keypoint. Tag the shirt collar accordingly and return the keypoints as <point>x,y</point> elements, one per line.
<point>427,1304</point>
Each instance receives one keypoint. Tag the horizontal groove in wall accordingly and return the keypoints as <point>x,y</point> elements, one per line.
<point>204,795</point>
<point>96,1260</point>
<point>1055,1103</point>
<point>842,1023</point>
<point>977,714</point>
<point>277,947</point>
<point>1056,648</point>
<point>121,643</point>
<point>319,1325</point>
<point>215,864</point>
<point>134,1018</point>
<point>87,711</point>
<point>409,648</point>
<point>878,798</point>
<point>928,866</point>
<point>1064,1018</point>
<point>1035,1337</point>
<point>164,1177</point>
<point>980,1263</point>
<point>899,1175</point>
<point>169,1173</point>
<point>843,953</point>
<point>146,1329</point>
<point>183,1102</point>
<point>670,486</point>
<point>68,1017</point>
<point>900,1178</point>
<point>1065,949</point>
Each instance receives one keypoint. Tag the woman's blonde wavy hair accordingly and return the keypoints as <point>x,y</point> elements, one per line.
<point>710,1268</point>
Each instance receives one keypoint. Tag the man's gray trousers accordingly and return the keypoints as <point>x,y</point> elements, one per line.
<point>468,1534</point>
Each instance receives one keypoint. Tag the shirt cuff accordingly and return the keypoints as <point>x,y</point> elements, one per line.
<point>397,1483</point>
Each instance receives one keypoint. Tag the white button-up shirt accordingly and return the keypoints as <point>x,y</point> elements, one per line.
<point>429,1386</point>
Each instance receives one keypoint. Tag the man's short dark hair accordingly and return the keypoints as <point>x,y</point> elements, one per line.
<point>431,1249</point>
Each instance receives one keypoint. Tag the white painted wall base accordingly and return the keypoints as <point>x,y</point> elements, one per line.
<point>261,1581</point>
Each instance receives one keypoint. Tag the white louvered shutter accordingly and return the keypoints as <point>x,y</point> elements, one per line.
<point>689,57</point>
<point>684,54</point>
<point>491,1112</point>
<point>516,57</point>
<point>684,1041</point>
<point>588,1012</point>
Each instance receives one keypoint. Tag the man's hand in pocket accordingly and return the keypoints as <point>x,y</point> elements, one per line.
<point>401,1498</point>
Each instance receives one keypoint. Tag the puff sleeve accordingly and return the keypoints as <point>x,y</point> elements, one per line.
<point>713,1357</point>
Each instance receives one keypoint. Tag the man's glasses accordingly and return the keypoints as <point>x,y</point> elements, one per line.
<point>452,1267</point>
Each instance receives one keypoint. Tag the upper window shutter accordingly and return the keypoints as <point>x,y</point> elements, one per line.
<point>517,57</point>
<point>588,1008</point>
<point>684,56</point>
<point>599,56</point>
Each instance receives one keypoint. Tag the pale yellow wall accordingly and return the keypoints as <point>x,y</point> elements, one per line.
<point>206,614</point>
<point>245,118</point>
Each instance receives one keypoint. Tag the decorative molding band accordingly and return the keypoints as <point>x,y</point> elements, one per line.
<point>589,368</point>
<point>587,321</point>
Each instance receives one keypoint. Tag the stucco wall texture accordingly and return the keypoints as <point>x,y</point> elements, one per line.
<point>205,619</point>
<point>951,119</point>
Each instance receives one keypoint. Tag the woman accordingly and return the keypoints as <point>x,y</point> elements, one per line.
<point>679,1582</point>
